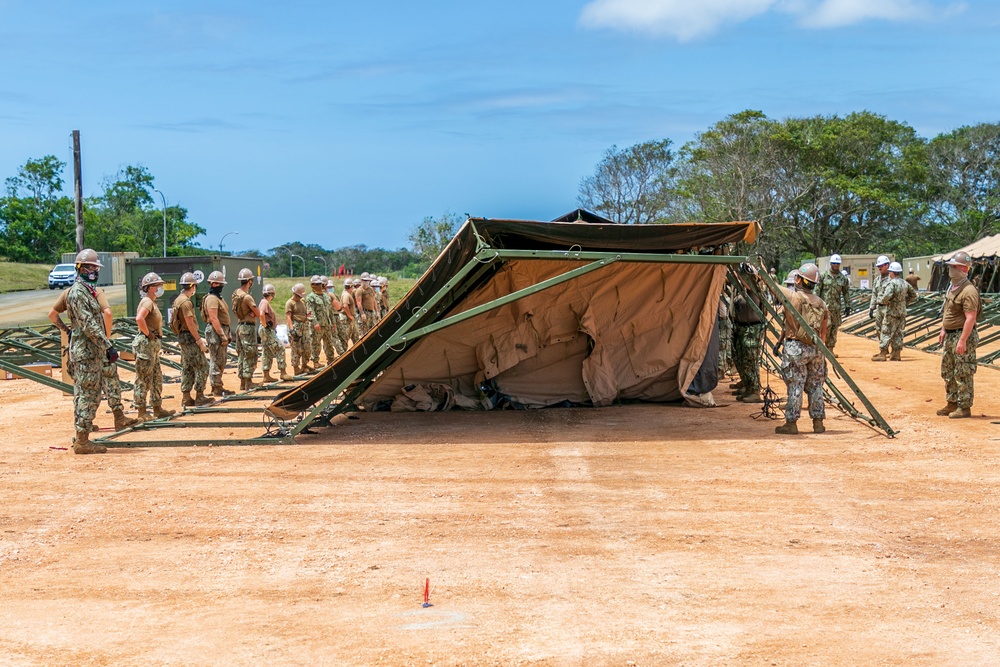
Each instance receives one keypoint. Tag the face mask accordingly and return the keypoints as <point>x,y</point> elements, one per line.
<point>159,290</point>
<point>956,274</point>
<point>90,275</point>
<point>377,289</point>
<point>215,289</point>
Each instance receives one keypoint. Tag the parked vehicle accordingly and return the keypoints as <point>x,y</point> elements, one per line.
<point>63,275</point>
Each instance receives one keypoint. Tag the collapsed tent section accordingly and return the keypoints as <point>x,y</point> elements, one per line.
<point>542,314</point>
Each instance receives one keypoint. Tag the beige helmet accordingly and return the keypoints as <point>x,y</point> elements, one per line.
<point>347,282</point>
<point>960,259</point>
<point>299,289</point>
<point>188,279</point>
<point>790,279</point>
<point>809,272</point>
<point>329,283</point>
<point>149,280</point>
<point>268,289</point>
<point>357,282</point>
<point>245,275</point>
<point>316,280</point>
<point>88,256</point>
<point>366,276</point>
<point>217,277</point>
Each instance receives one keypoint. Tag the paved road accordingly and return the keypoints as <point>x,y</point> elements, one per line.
<point>27,308</point>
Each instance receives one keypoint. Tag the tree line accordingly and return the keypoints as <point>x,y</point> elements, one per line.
<point>856,184</point>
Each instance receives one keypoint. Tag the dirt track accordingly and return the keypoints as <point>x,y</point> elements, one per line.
<point>646,535</point>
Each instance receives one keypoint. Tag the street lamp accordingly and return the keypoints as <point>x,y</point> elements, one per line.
<point>164,200</point>
<point>303,264</point>
<point>323,259</point>
<point>224,238</point>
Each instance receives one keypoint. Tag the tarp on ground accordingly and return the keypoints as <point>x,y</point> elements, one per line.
<point>628,330</point>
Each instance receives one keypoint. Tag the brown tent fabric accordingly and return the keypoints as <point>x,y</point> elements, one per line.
<point>631,330</point>
<point>627,331</point>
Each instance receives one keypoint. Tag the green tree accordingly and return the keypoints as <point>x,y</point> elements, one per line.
<point>36,221</point>
<point>429,238</point>
<point>632,186</point>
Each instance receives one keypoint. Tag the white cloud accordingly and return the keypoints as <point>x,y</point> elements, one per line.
<point>682,19</point>
<point>686,20</point>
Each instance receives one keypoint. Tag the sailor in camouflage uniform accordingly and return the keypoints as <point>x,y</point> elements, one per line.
<point>876,309</point>
<point>803,366</point>
<point>338,320</point>
<point>271,347</point>
<point>146,346</point>
<point>748,339</point>
<point>318,301</point>
<point>89,350</point>
<point>958,338</point>
<point>835,290</point>
<point>300,321</point>
<point>215,314</point>
<point>245,312</point>
<point>896,295</point>
<point>184,324</point>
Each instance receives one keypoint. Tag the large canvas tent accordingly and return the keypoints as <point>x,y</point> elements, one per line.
<point>985,255</point>
<point>544,313</point>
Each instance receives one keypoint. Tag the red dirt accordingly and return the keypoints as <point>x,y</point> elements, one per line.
<point>638,535</point>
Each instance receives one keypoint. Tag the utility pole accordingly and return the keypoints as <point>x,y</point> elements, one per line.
<point>78,190</point>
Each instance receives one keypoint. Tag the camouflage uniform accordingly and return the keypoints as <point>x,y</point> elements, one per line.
<point>347,302</point>
<point>87,352</point>
<point>896,294</point>
<point>109,372</point>
<point>148,374</point>
<point>366,305</point>
<point>299,336</point>
<point>725,337</point>
<point>803,368</point>
<point>246,333</point>
<point>194,366</point>
<point>875,303</point>
<point>835,290</point>
<point>217,353</point>
<point>271,348</point>
<point>321,305</point>
<point>747,348</point>
<point>958,370</point>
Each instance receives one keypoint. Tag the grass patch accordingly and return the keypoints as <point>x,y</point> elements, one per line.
<point>16,277</point>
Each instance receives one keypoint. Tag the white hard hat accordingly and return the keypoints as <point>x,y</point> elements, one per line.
<point>896,267</point>
<point>882,260</point>
<point>835,259</point>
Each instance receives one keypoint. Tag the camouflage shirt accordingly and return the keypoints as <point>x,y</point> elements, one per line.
<point>896,295</point>
<point>87,320</point>
<point>834,289</point>
<point>878,283</point>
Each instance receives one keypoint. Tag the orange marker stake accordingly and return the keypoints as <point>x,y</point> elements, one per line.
<point>427,593</point>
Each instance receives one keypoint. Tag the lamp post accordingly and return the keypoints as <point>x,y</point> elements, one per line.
<point>303,264</point>
<point>224,238</point>
<point>164,200</point>
<point>325,270</point>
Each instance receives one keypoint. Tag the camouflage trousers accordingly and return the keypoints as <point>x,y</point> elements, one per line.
<point>323,339</point>
<point>88,379</point>
<point>879,318</point>
<point>112,387</point>
<point>891,332</point>
<point>246,349</point>
<point>959,370</point>
<point>747,342</point>
<point>148,374</point>
<point>836,319</point>
<point>371,319</point>
<point>300,341</point>
<point>341,332</point>
<point>217,351</point>
<point>726,350</point>
<point>194,366</point>
<point>271,349</point>
<point>803,368</point>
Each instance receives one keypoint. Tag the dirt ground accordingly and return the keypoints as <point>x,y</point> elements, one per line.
<point>637,535</point>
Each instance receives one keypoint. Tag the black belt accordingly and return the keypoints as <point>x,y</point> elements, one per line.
<point>947,331</point>
<point>247,324</point>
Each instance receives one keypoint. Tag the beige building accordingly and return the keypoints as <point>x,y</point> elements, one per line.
<point>922,267</point>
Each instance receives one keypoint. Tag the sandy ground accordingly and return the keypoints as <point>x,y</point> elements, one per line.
<point>638,535</point>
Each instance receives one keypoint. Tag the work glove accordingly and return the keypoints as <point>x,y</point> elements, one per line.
<point>112,354</point>
<point>871,313</point>
<point>847,312</point>
<point>777,348</point>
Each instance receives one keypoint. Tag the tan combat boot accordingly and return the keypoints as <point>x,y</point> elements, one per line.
<point>948,409</point>
<point>219,390</point>
<point>201,399</point>
<point>143,415</point>
<point>818,426</point>
<point>160,413</point>
<point>788,428</point>
<point>122,422</point>
<point>186,400</point>
<point>83,445</point>
<point>961,413</point>
<point>267,376</point>
<point>285,375</point>
<point>895,356</point>
<point>753,397</point>
<point>250,383</point>
<point>881,356</point>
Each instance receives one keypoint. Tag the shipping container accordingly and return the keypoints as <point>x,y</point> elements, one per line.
<point>170,269</point>
<point>860,269</point>
<point>113,272</point>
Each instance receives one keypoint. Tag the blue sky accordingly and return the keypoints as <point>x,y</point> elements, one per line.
<point>343,123</point>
